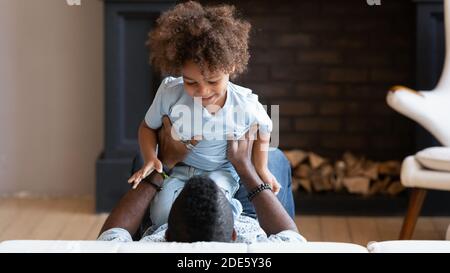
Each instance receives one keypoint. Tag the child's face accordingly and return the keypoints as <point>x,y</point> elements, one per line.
<point>211,87</point>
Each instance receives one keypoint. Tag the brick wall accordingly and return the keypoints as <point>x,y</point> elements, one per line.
<point>328,64</point>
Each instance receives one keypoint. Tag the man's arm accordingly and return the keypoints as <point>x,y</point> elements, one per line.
<point>272,217</point>
<point>131,209</point>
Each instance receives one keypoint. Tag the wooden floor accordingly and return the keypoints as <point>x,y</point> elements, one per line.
<point>74,219</point>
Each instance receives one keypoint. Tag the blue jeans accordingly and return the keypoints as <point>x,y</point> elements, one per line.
<point>279,166</point>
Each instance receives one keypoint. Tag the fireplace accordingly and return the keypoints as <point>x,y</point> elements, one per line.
<point>328,64</point>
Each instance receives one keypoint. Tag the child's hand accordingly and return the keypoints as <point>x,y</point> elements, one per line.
<point>268,178</point>
<point>148,168</point>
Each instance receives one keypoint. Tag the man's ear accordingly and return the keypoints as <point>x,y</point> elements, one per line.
<point>234,235</point>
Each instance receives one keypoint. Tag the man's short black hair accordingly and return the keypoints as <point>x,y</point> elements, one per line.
<point>201,212</point>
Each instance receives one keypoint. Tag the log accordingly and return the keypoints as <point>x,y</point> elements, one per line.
<point>354,173</point>
<point>327,173</point>
<point>327,170</point>
<point>295,184</point>
<point>386,182</point>
<point>339,169</point>
<point>319,182</point>
<point>315,160</point>
<point>306,184</point>
<point>355,170</point>
<point>302,171</point>
<point>295,157</point>
<point>349,159</point>
<point>354,164</point>
<point>395,188</point>
<point>379,186</point>
<point>337,183</point>
<point>357,184</point>
<point>370,170</point>
<point>391,167</point>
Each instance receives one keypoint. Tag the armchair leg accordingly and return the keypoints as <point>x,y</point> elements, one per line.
<point>415,205</point>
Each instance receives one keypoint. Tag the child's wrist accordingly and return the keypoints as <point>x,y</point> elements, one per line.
<point>150,158</point>
<point>261,169</point>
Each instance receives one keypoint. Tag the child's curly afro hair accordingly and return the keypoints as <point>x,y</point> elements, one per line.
<point>212,37</point>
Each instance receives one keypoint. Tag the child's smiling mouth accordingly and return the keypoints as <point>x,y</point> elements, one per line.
<point>208,99</point>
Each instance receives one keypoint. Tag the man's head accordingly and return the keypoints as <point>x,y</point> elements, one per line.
<point>201,212</point>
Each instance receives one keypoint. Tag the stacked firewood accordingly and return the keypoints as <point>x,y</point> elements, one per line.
<point>354,174</point>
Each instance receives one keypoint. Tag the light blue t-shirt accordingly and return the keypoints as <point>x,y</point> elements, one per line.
<point>189,118</point>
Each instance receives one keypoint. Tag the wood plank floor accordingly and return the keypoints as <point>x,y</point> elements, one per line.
<point>74,219</point>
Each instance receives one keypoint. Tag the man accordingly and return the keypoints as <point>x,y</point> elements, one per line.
<point>201,212</point>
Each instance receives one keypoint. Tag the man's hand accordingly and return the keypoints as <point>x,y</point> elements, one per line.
<point>171,151</point>
<point>239,152</point>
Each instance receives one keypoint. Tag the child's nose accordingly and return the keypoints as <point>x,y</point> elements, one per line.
<point>202,91</point>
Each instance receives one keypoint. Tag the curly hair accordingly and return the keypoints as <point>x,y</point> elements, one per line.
<point>212,37</point>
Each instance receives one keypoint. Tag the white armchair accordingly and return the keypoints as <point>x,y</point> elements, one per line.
<point>430,109</point>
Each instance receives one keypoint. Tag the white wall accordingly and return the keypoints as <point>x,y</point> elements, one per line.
<point>51,96</point>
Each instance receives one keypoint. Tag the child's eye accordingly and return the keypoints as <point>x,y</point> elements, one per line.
<point>213,82</point>
<point>189,83</point>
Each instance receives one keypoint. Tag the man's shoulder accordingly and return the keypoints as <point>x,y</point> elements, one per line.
<point>155,234</point>
<point>249,231</point>
<point>288,236</point>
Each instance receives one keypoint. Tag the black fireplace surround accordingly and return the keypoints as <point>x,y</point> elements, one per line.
<point>129,90</point>
<point>131,84</point>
